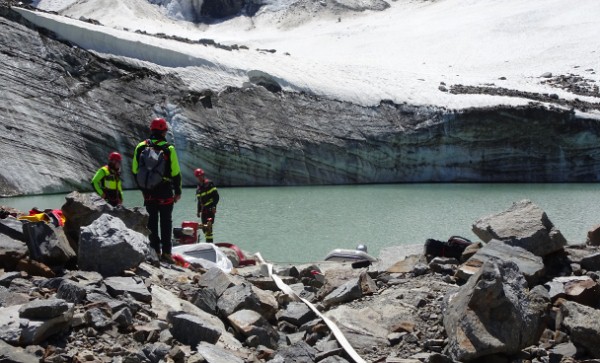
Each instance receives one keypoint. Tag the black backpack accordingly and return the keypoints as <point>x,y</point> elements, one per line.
<point>152,165</point>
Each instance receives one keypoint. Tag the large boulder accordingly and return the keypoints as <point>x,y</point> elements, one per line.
<point>493,313</point>
<point>81,210</point>
<point>107,246</point>
<point>48,244</point>
<point>583,324</point>
<point>524,225</point>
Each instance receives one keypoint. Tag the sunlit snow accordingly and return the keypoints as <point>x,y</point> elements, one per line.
<point>403,53</point>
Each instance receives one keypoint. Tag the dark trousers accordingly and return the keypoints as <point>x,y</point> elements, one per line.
<point>113,202</point>
<point>207,214</point>
<point>111,197</point>
<point>162,212</point>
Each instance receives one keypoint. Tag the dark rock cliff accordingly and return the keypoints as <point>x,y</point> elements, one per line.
<point>64,109</point>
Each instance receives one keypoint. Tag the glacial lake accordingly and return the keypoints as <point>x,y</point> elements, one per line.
<point>302,224</point>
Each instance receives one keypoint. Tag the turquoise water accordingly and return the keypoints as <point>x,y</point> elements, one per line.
<point>302,224</point>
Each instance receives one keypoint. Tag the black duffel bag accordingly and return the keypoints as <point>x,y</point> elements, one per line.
<point>453,247</point>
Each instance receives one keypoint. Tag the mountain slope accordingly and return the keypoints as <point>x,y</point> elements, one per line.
<point>67,108</point>
<point>402,52</point>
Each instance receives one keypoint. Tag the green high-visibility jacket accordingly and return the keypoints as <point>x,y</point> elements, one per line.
<point>107,182</point>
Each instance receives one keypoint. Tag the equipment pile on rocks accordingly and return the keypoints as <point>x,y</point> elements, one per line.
<point>94,292</point>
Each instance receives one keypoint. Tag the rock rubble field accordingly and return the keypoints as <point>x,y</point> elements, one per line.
<point>92,291</point>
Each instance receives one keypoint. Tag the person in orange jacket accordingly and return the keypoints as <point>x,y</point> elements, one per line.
<point>107,181</point>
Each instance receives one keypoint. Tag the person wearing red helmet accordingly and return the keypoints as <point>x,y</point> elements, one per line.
<point>208,198</point>
<point>107,181</point>
<point>155,167</point>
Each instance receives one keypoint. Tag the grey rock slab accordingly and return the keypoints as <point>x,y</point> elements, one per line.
<point>12,354</point>
<point>13,228</point>
<point>299,352</point>
<point>191,330</point>
<point>43,309</point>
<point>349,291</point>
<point>7,277</point>
<point>98,318</point>
<point>214,354</point>
<point>218,280</point>
<point>249,323</point>
<point>246,296</point>
<point>36,331</point>
<point>524,225</point>
<point>117,286</point>
<point>591,262</point>
<point>10,329</point>
<point>336,359</point>
<point>206,299</point>
<point>394,255</point>
<point>165,303</point>
<point>365,327</point>
<point>529,264</point>
<point>11,251</point>
<point>98,296</point>
<point>71,291</point>
<point>297,313</point>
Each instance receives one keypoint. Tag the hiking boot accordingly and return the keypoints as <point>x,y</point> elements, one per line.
<point>166,257</point>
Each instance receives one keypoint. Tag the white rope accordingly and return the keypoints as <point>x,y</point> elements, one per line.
<point>332,326</point>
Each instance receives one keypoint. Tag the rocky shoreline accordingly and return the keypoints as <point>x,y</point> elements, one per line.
<point>521,294</point>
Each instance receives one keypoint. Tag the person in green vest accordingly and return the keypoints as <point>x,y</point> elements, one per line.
<point>156,169</point>
<point>107,181</point>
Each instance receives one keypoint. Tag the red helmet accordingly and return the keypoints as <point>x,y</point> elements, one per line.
<point>198,172</point>
<point>114,156</point>
<point>159,124</point>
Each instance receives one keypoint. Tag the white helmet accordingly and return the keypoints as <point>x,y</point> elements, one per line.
<point>361,247</point>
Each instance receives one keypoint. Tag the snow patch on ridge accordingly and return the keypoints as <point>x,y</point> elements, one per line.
<point>403,54</point>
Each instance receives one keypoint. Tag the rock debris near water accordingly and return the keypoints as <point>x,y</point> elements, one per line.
<point>512,298</point>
